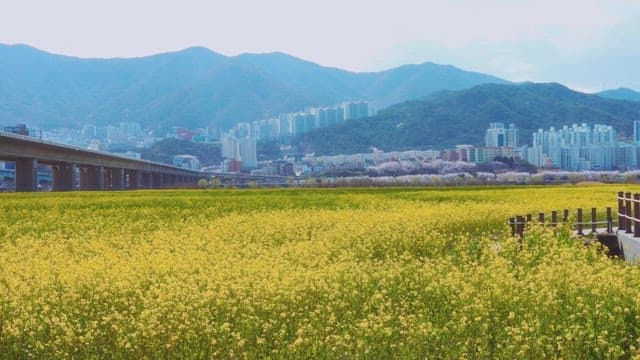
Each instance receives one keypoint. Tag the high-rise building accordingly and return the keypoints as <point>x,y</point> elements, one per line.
<point>267,129</point>
<point>355,110</point>
<point>243,149</point>
<point>212,134</point>
<point>512,135</point>
<point>626,156</point>
<point>242,129</point>
<point>89,131</point>
<point>286,125</point>
<point>363,108</point>
<point>303,122</point>
<point>498,136</point>
<point>230,147</point>
<point>322,118</point>
<point>299,124</point>
<point>636,131</point>
<point>130,129</point>
<point>255,130</point>
<point>248,153</point>
<point>495,137</point>
<point>334,116</point>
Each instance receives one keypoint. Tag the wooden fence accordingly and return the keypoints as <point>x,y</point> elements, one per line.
<point>629,213</point>
<point>628,218</point>
<point>519,223</point>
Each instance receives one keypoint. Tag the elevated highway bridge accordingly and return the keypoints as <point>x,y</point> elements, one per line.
<point>75,168</point>
<point>96,170</point>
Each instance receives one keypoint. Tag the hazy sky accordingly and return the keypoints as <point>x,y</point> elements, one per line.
<point>586,44</point>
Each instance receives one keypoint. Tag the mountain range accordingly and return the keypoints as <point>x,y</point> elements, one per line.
<point>196,87</point>
<point>621,94</point>
<point>450,118</point>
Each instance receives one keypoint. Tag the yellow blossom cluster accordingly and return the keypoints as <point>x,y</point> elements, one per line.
<point>309,273</point>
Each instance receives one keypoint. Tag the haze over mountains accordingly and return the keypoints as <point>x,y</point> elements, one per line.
<point>436,105</point>
<point>196,87</point>
<point>450,118</point>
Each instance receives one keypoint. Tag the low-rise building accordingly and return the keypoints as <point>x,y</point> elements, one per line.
<point>186,161</point>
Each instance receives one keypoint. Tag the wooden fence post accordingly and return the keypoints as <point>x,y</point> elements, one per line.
<point>636,215</point>
<point>541,218</point>
<point>594,226</point>
<point>580,232</point>
<point>609,221</point>
<point>627,205</point>
<point>512,222</point>
<point>565,215</point>
<point>580,222</point>
<point>554,218</point>
<point>621,218</point>
<point>520,222</point>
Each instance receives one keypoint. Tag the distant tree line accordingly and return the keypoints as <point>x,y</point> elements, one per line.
<point>480,178</point>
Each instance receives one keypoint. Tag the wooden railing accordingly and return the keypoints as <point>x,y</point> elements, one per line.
<point>629,213</point>
<point>519,223</point>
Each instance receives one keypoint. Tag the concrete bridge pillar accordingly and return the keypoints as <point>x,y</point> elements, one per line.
<point>92,178</point>
<point>136,180</point>
<point>106,176</point>
<point>157,180</point>
<point>147,180</point>
<point>117,179</point>
<point>26,175</point>
<point>100,175</point>
<point>64,177</point>
<point>167,180</point>
<point>83,178</point>
<point>171,179</point>
<point>133,179</point>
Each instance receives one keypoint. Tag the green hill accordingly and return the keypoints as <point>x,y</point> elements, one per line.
<point>448,118</point>
<point>195,87</point>
<point>621,94</point>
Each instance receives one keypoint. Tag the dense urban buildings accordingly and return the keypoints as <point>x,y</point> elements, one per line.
<point>580,147</point>
<point>577,147</point>
<point>285,126</point>
<point>572,148</point>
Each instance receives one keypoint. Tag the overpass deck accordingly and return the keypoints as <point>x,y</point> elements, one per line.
<point>96,170</point>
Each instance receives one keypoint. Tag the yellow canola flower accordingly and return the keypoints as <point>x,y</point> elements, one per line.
<point>334,273</point>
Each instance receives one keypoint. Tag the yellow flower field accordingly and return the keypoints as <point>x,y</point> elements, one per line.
<point>311,273</point>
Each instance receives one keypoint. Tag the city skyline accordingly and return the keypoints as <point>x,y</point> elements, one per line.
<point>587,45</point>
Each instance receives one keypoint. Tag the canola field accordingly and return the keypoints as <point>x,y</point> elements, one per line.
<point>309,273</point>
